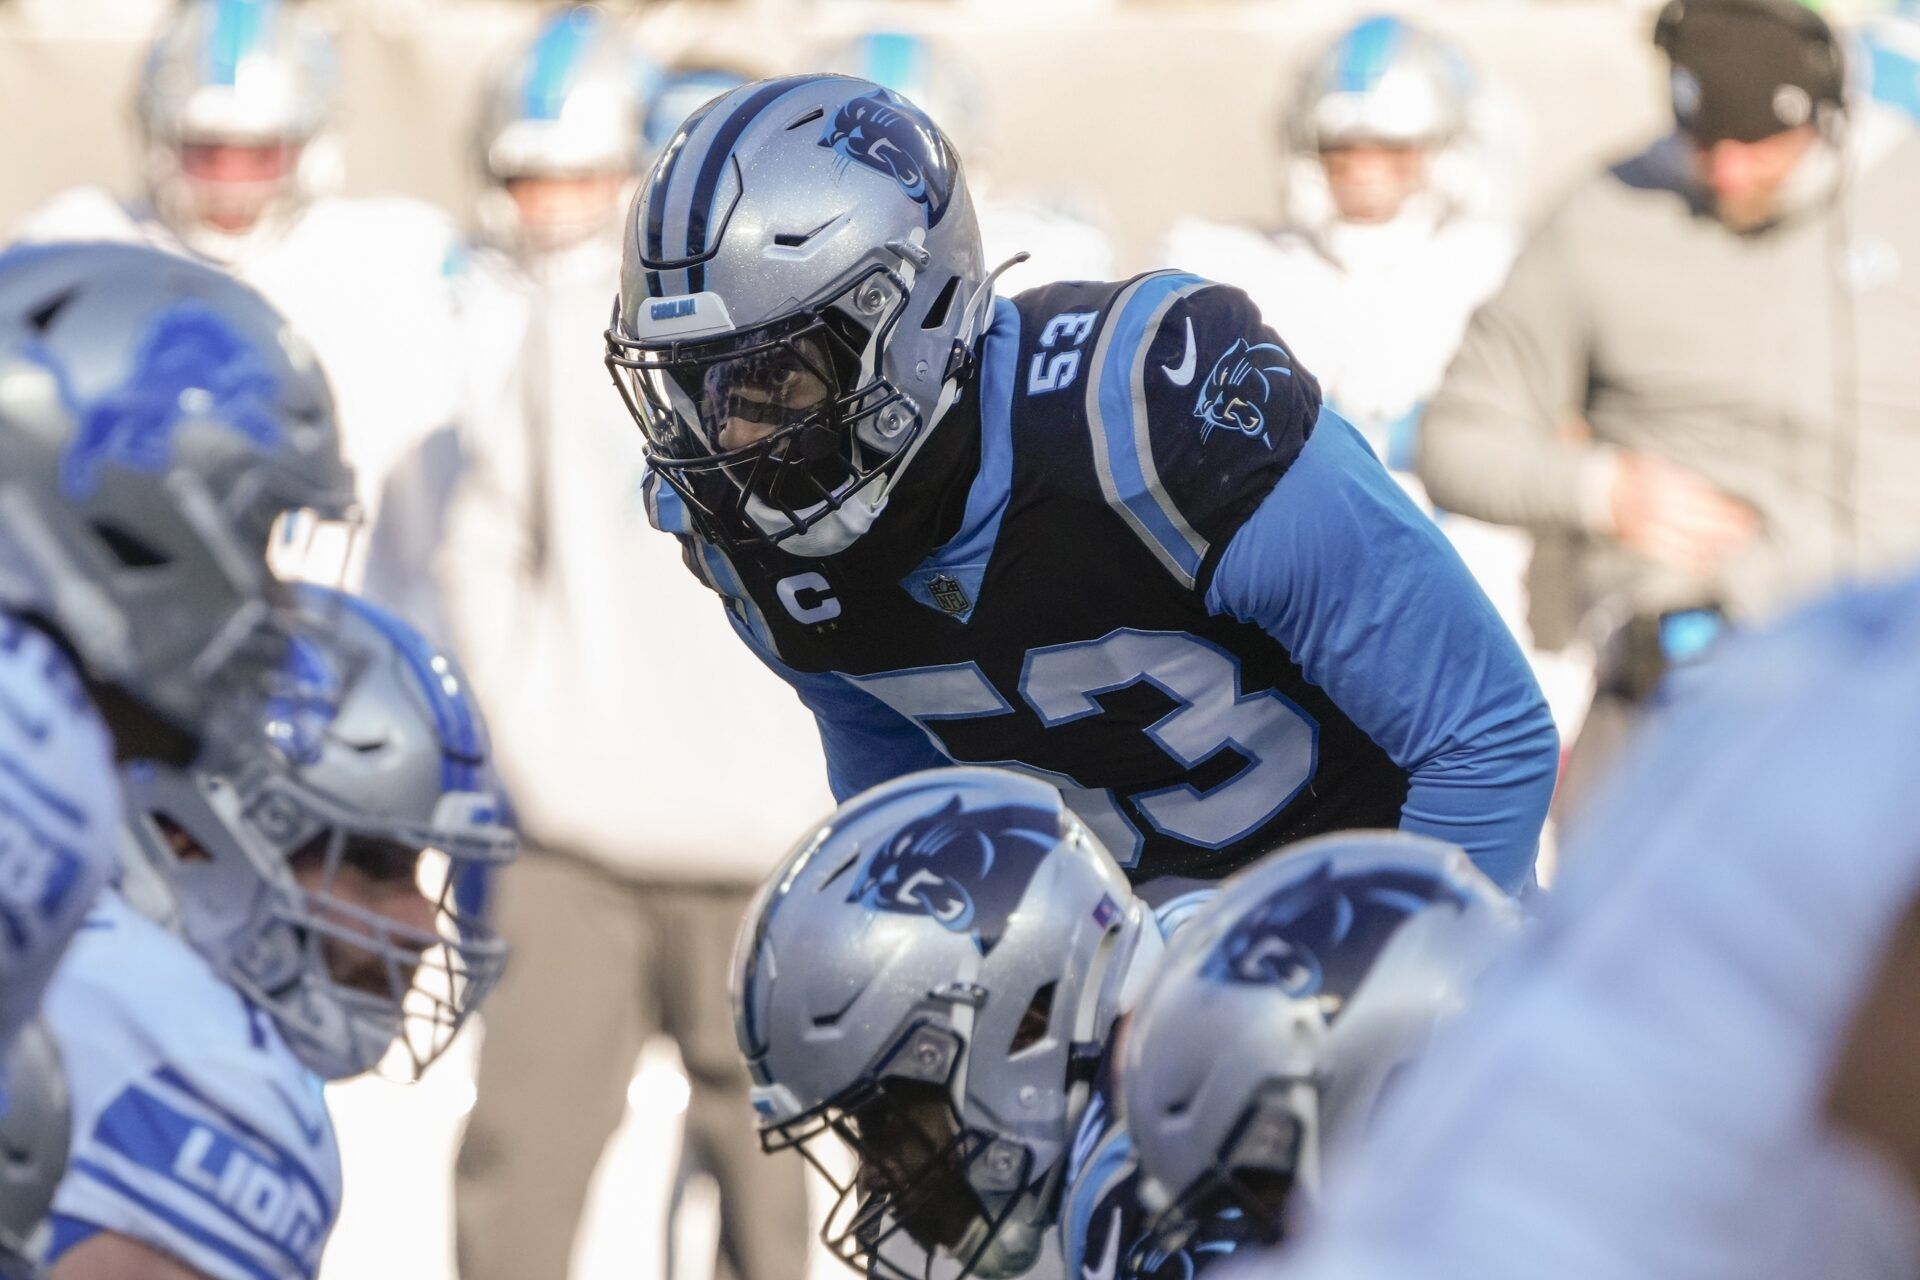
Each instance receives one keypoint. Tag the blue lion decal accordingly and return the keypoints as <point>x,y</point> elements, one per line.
<point>1241,390</point>
<point>888,134</point>
<point>191,363</point>
<point>1320,935</point>
<point>967,869</point>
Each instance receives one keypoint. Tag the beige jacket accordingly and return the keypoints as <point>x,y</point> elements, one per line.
<point>1783,366</point>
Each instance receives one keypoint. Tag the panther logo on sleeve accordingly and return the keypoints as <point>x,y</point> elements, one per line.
<point>967,869</point>
<point>887,134</point>
<point>1242,390</point>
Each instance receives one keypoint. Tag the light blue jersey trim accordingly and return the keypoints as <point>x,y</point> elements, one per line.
<point>1117,419</point>
<point>1370,599</point>
<point>965,557</point>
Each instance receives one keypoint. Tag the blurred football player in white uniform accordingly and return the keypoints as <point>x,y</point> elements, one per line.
<point>1396,228</point>
<point>234,106</point>
<point>156,419</point>
<point>1643,1092</point>
<point>1064,243</point>
<point>326,899</point>
<point>640,857</point>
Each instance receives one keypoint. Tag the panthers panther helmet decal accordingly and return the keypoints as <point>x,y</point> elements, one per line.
<point>1319,935</point>
<point>966,869</point>
<point>1241,391</point>
<point>888,134</point>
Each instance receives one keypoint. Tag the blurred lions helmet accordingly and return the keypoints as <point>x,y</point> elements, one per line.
<point>157,420</point>
<point>801,288</point>
<point>930,979</point>
<point>233,105</point>
<point>34,1138</point>
<point>379,775</point>
<point>569,105</point>
<point>1284,1012</point>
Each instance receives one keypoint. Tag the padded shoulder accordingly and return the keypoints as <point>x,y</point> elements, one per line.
<point>1187,406</point>
<point>195,1129</point>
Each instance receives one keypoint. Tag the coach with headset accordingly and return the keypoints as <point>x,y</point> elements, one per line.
<point>1701,375</point>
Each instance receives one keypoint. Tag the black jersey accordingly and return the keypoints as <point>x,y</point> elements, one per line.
<point>1181,591</point>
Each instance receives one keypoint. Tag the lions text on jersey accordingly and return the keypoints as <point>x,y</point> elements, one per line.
<point>59,814</point>
<point>1180,591</point>
<point>195,1129</point>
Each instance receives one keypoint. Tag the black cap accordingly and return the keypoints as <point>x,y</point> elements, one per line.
<point>1744,70</point>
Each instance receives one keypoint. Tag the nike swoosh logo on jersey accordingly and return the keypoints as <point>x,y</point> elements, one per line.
<point>1110,1257</point>
<point>36,731</point>
<point>1182,374</point>
<point>312,1130</point>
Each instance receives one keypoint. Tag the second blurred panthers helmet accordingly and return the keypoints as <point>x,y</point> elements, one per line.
<point>157,420</point>
<point>259,74</point>
<point>929,978</point>
<point>1284,1011</point>
<point>1382,80</point>
<point>380,770</point>
<point>800,290</point>
<point>572,101</point>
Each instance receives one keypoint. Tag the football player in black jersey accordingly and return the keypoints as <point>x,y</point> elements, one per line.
<point>1102,533</point>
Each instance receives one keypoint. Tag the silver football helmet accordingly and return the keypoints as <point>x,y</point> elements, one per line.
<point>571,103</point>
<point>35,1118</point>
<point>1284,1011</point>
<point>801,288</point>
<point>930,978</point>
<point>237,73</point>
<point>157,418</point>
<point>340,880</point>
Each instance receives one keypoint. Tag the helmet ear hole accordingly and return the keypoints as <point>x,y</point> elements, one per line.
<point>936,316</point>
<point>129,548</point>
<point>1035,1021</point>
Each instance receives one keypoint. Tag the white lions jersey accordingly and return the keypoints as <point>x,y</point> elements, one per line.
<point>59,814</point>
<point>370,284</point>
<point>1641,1091</point>
<point>195,1129</point>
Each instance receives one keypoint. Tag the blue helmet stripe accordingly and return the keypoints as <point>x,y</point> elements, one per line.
<point>238,26</point>
<point>463,745</point>
<point>556,57</point>
<point>1366,52</point>
<point>663,174</point>
<point>714,163</point>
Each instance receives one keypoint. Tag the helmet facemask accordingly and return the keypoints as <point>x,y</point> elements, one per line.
<point>920,1173</point>
<point>769,430</point>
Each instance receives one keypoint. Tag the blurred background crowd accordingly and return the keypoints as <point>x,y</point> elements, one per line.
<point>1687,401</point>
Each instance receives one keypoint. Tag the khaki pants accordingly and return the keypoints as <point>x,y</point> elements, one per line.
<point>600,965</point>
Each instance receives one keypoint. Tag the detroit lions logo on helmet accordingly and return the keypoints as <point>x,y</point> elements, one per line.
<point>191,362</point>
<point>1242,389</point>
<point>886,133</point>
<point>1318,936</point>
<point>967,869</point>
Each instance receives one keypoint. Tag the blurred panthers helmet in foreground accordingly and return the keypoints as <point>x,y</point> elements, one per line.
<point>1284,1011</point>
<point>379,773</point>
<point>157,418</point>
<point>233,104</point>
<point>567,108</point>
<point>801,288</point>
<point>34,1139</point>
<point>930,979</point>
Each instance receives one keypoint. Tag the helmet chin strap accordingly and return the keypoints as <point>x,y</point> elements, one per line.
<point>838,529</point>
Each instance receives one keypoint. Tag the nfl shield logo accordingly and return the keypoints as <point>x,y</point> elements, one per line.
<point>949,594</point>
